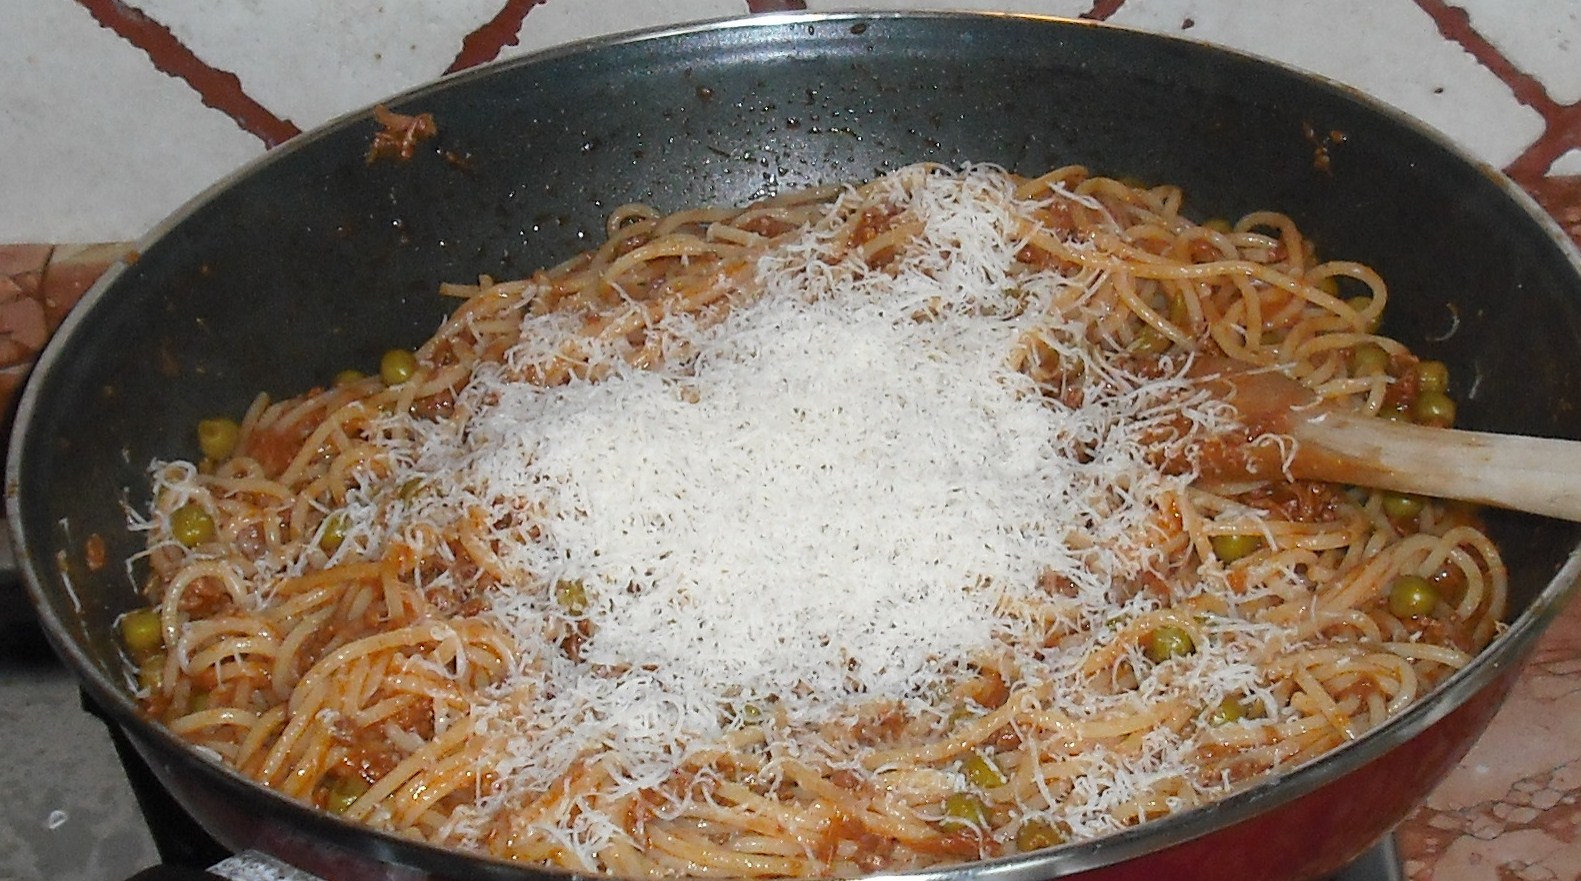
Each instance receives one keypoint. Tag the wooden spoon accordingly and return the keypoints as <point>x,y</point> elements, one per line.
<point>1538,475</point>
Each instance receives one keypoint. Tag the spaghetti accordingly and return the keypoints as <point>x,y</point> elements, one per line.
<point>858,530</point>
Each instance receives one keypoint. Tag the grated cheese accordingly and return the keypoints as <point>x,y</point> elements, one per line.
<point>830,502</point>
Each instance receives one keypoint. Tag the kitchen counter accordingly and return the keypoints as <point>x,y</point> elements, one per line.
<point>1504,84</point>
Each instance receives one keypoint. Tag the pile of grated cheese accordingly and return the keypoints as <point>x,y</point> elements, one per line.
<point>842,495</point>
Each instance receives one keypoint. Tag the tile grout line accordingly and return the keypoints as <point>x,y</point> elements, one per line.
<point>485,43</point>
<point>219,89</point>
<point>1561,122</point>
<point>1102,10</point>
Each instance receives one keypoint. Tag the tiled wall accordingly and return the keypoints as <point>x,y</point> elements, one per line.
<point>114,112</point>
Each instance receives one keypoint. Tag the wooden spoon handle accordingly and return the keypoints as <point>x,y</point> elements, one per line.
<point>1538,475</point>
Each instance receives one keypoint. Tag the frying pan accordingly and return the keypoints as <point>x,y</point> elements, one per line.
<point>314,258</point>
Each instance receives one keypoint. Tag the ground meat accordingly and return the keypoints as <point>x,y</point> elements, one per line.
<point>204,598</point>
<point>1301,501</point>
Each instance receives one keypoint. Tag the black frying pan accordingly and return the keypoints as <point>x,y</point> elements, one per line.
<point>313,258</point>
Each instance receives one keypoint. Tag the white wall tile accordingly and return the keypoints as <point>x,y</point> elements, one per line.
<point>555,22</point>
<point>309,61</point>
<point>1568,164</point>
<point>97,143</point>
<point>1542,37</point>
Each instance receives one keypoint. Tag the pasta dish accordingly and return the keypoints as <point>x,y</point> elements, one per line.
<point>857,530</point>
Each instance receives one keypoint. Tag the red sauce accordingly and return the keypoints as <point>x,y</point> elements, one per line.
<point>274,448</point>
<point>93,552</point>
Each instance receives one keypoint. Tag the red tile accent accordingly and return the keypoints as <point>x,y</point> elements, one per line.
<point>18,260</point>
<point>23,328</point>
<point>219,89</point>
<point>1561,134</point>
<point>21,273</point>
<point>21,268</point>
<point>38,285</point>
<point>72,270</point>
<point>1561,123</point>
<point>10,290</point>
<point>485,44</point>
<point>1102,9</point>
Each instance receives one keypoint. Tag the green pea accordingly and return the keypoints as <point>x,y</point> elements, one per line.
<point>410,489</point>
<point>217,437</point>
<point>349,376</point>
<point>963,809</point>
<point>343,793</point>
<point>1369,360</point>
<point>1433,408</point>
<point>1362,304</point>
<point>571,597</point>
<point>1230,548</point>
<point>1395,414</point>
<point>1038,834</point>
<point>1219,225</point>
<point>1168,641</point>
<point>142,633</point>
<point>962,712</point>
<point>397,366</point>
<point>982,771</point>
<point>334,532</point>
<point>1179,313</point>
<point>1229,710</point>
<point>1412,596</point>
<point>1402,506</point>
<point>1149,340</point>
<point>151,673</point>
<point>1432,376</point>
<point>191,525</point>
